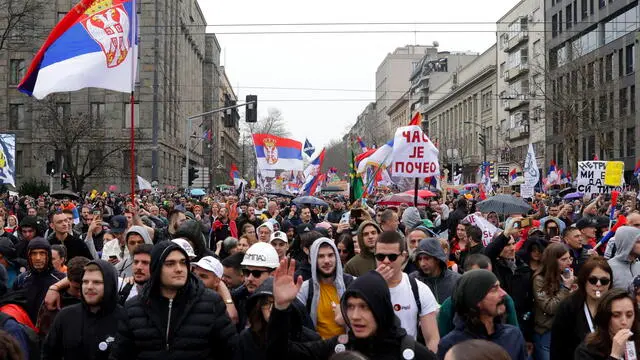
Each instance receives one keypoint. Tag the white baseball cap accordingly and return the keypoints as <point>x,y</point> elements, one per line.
<point>266,224</point>
<point>211,264</point>
<point>279,235</point>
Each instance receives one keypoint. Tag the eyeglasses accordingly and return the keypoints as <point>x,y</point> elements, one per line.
<point>255,273</point>
<point>392,257</point>
<point>604,281</point>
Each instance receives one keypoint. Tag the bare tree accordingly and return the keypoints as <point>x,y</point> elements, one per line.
<point>19,21</point>
<point>84,150</point>
<point>272,124</point>
<point>337,156</point>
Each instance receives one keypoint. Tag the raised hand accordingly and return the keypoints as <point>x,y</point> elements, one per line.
<point>284,287</point>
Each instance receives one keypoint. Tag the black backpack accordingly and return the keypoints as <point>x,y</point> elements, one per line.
<point>32,336</point>
<point>123,294</point>
<point>345,277</point>
<point>416,296</point>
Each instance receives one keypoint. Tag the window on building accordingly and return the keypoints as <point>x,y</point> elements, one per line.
<point>17,69</point>
<point>127,116</point>
<point>16,116</point>
<point>623,101</point>
<point>98,113</point>
<point>602,108</point>
<point>630,59</point>
<point>621,25</point>
<point>608,67</point>
<point>575,11</point>
<point>591,146</point>
<point>61,15</point>
<point>620,63</point>
<point>19,162</point>
<point>64,110</point>
<point>631,141</point>
<point>126,161</point>
<point>554,25</point>
<point>601,4</point>
<point>611,104</point>
<point>609,143</point>
<point>601,71</point>
<point>590,75</point>
<point>632,99</point>
<point>621,142</point>
<point>583,9</point>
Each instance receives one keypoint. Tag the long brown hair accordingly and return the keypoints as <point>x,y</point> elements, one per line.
<point>549,269</point>
<point>600,340</point>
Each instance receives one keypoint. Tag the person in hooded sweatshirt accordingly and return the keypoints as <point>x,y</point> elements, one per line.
<point>135,236</point>
<point>624,265</point>
<point>325,288</point>
<point>363,262</point>
<point>191,230</point>
<point>432,269</point>
<point>373,328</point>
<point>87,330</point>
<point>36,280</point>
<point>175,317</point>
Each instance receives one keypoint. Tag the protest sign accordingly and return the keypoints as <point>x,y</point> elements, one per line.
<point>530,170</point>
<point>613,175</point>
<point>527,191</point>
<point>488,229</point>
<point>591,178</point>
<point>414,155</point>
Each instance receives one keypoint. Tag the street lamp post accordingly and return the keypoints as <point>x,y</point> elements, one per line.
<point>483,139</point>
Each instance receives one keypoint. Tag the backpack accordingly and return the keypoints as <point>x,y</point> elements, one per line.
<point>32,336</point>
<point>416,296</point>
<point>345,277</point>
<point>123,294</point>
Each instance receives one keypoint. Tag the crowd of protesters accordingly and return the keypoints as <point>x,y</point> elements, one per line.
<point>216,277</point>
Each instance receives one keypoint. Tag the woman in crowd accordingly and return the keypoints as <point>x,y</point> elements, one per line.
<point>616,323</point>
<point>59,257</point>
<point>531,251</point>
<point>12,224</point>
<point>243,243</point>
<point>345,248</point>
<point>249,231</point>
<point>552,283</point>
<point>574,318</point>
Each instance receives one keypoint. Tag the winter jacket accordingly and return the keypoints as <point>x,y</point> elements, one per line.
<point>193,325</point>
<point>385,344</point>
<point>75,246</point>
<point>78,333</point>
<point>624,270</point>
<point>516,283</point>
<point>569,327</point>
<point>507,336</point>
<point>363,262</point>
<point>470,250</point>
<point>35,283</point>
<point>125,266</point>
<point>221,231</point>
<point>579,256</point>
<point>338,281</point>
<point>411,217</point>
<point>545,305</point>
<point>192,231</point>
<point>446,315</point>
<point>585,352</point>
<point>303,268</point>
<point>442,285</point>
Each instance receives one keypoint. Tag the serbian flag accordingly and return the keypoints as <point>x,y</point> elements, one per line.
<point>276,153</point>
<point>416,120</point>
<point>363,147</point>
<point>636,171</point>
<point>92,46</point>
<point>513,174</point>
<point>234,173</point>
<point>313,174</point>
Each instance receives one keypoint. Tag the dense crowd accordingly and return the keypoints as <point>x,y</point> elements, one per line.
<point>267,277</point>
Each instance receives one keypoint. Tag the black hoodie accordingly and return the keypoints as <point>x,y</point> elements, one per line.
<point>78,333</point>
<point>193,325</point>
<point>35,283</point>
<point>387,343</point>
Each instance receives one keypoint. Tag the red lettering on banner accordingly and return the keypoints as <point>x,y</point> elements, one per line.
<point>418,152</point>
<point>417,167</point>
<point>407,136</point>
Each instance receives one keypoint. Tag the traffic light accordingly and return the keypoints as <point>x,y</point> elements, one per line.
<point>251,114</point>
<point>64,180</point>
<point>193,174</point>
<point>51,168</point>
<point>230,114</point>
<point>481,139</point>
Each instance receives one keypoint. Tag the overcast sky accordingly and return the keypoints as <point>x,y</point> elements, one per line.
<point>258,63</point>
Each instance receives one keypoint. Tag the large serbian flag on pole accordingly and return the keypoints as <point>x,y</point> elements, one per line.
<point>90,47</point>
<point>276,153</point>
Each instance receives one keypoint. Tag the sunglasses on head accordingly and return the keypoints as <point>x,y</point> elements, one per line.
<point>392,257</point>
<point>255,273</point>
<point>604,281</point>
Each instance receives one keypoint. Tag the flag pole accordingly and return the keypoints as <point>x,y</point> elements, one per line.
<point>134,59</point>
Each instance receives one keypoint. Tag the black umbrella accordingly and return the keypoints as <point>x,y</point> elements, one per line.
<point>61,194</point>
<point>309,200</point>
<point>566,191</point>
<point>504,204</point>
<point>283,193</point>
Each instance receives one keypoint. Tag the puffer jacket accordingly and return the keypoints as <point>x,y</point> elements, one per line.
<point>194,325</point>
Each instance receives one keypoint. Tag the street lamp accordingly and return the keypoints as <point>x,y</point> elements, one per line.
<point>482,139</point>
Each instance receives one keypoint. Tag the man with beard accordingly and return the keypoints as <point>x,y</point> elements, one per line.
<point>432,269</point>
<point>479,302</point>
<point>223,227</point>
<point>325,288</point>
<point>336,213</point>
<point>367,235</point>
<point>130,287</point>
<point>87,330</point>
<point>28,230</point>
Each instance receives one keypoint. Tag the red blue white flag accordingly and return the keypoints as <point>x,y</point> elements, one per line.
<point>92,46</point>
<point>276,153</point>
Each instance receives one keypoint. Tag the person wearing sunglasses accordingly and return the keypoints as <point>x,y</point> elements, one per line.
<point>575,314</point>
<point>417,314</point>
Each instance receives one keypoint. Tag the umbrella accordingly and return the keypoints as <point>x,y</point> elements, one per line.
<point>567,191</point>
<point>470,186</point>
<point>283,193</point>
<point>309,200</point>
<point>421,193</point>
<point>61,194</point>
<point>399,199</point>
<point>197,192</point>
<point>573,196</point>
<point>504,204</point>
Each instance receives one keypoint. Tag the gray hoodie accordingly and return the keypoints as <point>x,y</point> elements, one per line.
<point>441,286</point>
<point>624,271</point>
<point>125,267</point>
<point>338,281</point>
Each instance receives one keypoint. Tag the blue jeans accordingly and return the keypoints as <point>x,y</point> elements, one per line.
<point>542,345</point>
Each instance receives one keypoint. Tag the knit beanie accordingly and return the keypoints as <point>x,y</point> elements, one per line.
<point>472,287</point>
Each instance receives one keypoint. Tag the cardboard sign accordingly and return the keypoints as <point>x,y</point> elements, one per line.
<point>527,191</point>
<point>488,229</point>
<point>613,174</point>
<point>414,155</point>
<point>591,178</point>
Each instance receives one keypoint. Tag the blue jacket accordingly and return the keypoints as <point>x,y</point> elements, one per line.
<point>508,337</point>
